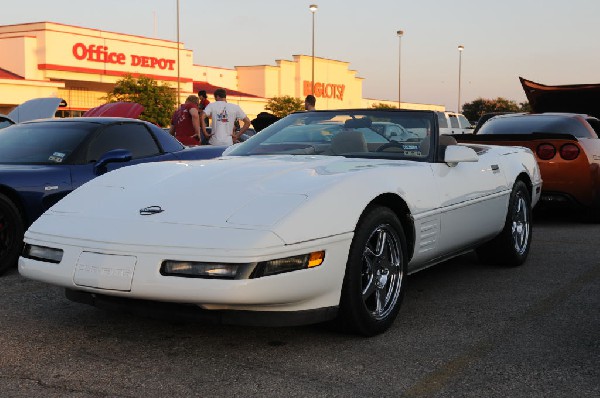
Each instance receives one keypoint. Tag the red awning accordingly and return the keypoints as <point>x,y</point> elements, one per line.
<point>209,88</point>
<point>4,74</point>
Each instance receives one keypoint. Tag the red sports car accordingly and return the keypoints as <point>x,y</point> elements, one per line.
<point>567,149</point>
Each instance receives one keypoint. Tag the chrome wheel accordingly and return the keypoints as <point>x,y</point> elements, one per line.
<point>382,272</point>
<point>520,224</point>
<point>511,246</point>
<point>374,280</point>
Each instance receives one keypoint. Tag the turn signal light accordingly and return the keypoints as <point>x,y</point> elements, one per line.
<point>288,264</point>
<point>569,151</point>
<point>545,151</point>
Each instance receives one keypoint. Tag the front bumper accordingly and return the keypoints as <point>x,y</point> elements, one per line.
<point>193,313</point>
<point>308,289</point>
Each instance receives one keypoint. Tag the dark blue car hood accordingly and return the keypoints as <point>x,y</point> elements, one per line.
<point>16,175</point>
<point>36,187</point>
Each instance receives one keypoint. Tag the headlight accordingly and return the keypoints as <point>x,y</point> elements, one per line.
<point>43,253</point>
<point>194,269</point>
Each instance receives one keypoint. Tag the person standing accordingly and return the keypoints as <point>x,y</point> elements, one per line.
<point>224,116</point>
<point>203,99</point>
<point>310,102</point>
<point>185,123</point>
<point>203,103</point>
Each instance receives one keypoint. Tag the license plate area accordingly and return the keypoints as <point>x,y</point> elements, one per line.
<point>105,271</point>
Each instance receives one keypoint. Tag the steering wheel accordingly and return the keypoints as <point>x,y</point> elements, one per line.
<point>391,144</point>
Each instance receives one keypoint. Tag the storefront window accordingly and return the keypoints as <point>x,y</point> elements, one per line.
<point>63,113</point>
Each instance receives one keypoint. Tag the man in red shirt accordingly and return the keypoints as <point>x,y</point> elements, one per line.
<point>185,123</point>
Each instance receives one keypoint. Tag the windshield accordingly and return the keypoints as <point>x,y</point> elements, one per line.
<point>41,143</point>
<point>350,133</point>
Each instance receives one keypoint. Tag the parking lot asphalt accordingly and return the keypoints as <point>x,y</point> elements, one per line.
<point>465,330</point>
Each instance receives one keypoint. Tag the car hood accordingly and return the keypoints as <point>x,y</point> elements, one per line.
<point>571,98</point>
<point>37,108</point>
<point>116,109</point>
<point>293,198</point>
<point>36,177</point>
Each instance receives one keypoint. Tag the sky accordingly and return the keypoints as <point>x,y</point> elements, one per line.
<point>547,41</point>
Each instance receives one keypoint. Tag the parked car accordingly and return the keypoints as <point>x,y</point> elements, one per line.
<point>485,117</point>
<point>247,134</point>
<point>566,146</point>
<point>5,121</point>
<point>42,161</point>
<point>453,123</point>
<point>36,108</point>
<point>315,218</point>
<point>116,109</point>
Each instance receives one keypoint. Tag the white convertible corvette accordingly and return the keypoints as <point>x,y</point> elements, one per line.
<point>318,217</point>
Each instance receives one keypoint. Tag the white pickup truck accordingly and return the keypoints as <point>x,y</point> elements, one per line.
<point>453,123</point>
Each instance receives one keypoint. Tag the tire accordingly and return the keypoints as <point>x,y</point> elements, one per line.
<point>11,234</point>
<point>511,247</point>
<point>375,274</point>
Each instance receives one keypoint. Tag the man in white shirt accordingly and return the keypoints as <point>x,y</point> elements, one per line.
<point>223,115</point>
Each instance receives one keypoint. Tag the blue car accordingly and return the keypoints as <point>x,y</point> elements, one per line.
<point>42,161</point>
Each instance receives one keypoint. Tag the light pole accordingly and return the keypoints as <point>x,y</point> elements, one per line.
<point>313,9</point>
<point>399,33</point>
<point>178,63</point>
<point>460,50</point>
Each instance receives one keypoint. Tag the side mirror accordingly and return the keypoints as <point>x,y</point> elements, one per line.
<point>457,153</point>
<point>116,155</point>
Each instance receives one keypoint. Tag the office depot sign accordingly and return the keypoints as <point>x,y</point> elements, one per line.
<point>101,54</point>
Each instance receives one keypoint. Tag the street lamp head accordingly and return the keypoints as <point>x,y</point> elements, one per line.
<point>400,33</point>
<point>313,8</point>
<point>461,48</point>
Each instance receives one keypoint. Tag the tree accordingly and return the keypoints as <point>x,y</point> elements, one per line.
<point>474,110</point>
<point>381,105</point>
<point>283,106</point>
<point>159,101</point>
<point>525,107</point>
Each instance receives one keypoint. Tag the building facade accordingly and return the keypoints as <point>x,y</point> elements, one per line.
<point>81,65</point>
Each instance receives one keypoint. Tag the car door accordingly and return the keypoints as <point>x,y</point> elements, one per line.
<point>465,125</point>
<point>473,198</point>
<point>134,137</point>
<point>443,124</point>
<point>454,124</point>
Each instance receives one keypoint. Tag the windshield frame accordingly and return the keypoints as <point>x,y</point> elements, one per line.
<point>375,125</point>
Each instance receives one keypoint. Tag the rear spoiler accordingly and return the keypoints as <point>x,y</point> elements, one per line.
<point>512,137</point>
